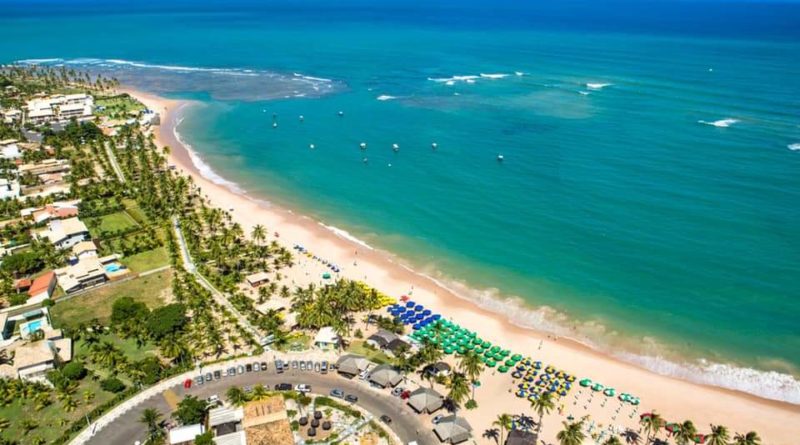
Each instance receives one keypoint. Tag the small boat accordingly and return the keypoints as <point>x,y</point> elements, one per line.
<point>434,145</point>
<point>312,146</point>
<point>395,147</point>
<point>500,158</point>
<point>302,118</point>
<point>341,113</point>
<point>365,160</point>
<point>363,145</point>
<point>274,125</point>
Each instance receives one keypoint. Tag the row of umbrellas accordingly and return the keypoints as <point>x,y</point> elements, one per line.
<point>609,392</point>
<point>325,262</point>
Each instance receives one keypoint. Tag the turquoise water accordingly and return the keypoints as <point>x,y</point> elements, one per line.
<point>650,181</point>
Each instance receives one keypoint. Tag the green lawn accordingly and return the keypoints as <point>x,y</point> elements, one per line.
<point>118,106</point>
<point>135,211</point>
<point>144,261</point>
<point>358,347</point>
<point>47,418</point>
<point>111,223</point>
<point>128,346</point>
<point>97,303</point>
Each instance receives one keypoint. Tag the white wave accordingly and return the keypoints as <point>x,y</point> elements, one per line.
<point>793,147</point>
<point>583,93</point>
<point>311,78</point>
<point>519,73</point>
<point>493,76</point>
<point>346,235</point>
<point>386,97</point>
<point>202,167</point>
<point>769,384</point>
<point>722,123</point>
<point>597,86</point>
<point>38,61</point>
<point>454,79</point>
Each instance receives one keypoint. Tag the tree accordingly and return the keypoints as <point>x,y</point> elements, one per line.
<point>259,233</point>
<point>543,405</point>
<point>504,422</point>
<point>613,440</point>
<point>686,432</point>
<point>152,419</point>
<point>206,438</point>
<point>572,434</point>
<point>23,263</point>
<point>652,424</point>
<point>472,366</point>
<point>112,384</point>
<point>719,435</point>
<point>126,313</point>
<point>74,370</point>
<point>458,387</point>
<point>750,438</point>
<point>236,396</point>
<point>166,320</point>
<point>190,410</point>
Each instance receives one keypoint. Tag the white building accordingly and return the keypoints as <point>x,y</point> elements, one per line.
<point>65,233</point>
<point>9,189</point>
<point>60,108</point>
<point>11,115</point>
<point>327,339</point>
<point>9,149</point>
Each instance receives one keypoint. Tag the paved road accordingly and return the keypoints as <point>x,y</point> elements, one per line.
<point>112,158</point>
<point>218,296</point>
<point>405,423</point>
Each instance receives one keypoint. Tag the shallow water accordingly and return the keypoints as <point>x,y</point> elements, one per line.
<point>648,188</point>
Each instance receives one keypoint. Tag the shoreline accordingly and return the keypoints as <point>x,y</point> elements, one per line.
<point>673,398</point>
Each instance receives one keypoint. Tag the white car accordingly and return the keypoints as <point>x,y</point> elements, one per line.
<point>303,388</point>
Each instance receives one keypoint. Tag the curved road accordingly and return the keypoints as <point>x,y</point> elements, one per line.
<point>405,422</point>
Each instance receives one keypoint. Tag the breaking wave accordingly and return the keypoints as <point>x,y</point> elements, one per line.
<point>383,97</point>
<point>346,235</point>
<point>597,86</point>
<point>202,167</point>
<point>722,123</point>
<point>794,147</point>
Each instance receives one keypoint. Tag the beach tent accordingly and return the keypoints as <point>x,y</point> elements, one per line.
<point>425,400</point>
<point>385,375</point>
<point>453,429</point>
<point>352,364</point>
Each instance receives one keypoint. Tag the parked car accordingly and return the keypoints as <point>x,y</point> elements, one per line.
<point>338,393</point>
<point>364,374</point>
<point>303,388</point>
<point>294,364</point>
<point>213,400</point>
<point>248,367</point>
<point>317,367</point>
<point>438,418</point>
<point>386,419</point>
<point>231,371</point>
<point>263,366</point>
<point>397,391</point>
<point>198,380</point>
<point>324,367</point>
<point>302,366</point>
<point>241,369</point>
<point>208,377</point>
<point>256,367</point>
<point>351,398</point>
<point>310,365</point>
<point>217,375</point>
<point>283,387</point>
<point>279,366</point>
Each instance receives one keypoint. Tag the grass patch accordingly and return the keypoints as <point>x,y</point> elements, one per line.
<point>360,348</point>
<point>112,222</point>
<point>97,303</point>
<point>296,342</point>
<point>135,211</point>
<point>127,346</point>
<point>148,260</point>
<point>117,106</point>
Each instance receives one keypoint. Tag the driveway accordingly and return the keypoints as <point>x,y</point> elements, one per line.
<point>405,423</point>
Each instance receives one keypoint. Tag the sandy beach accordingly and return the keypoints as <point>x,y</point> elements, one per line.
<point>777,423</point>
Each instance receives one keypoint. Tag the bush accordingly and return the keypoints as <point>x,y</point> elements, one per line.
<point>17,299</point>
<point>48,302</point>
<point>190,410</point>
<point>166,320</point>
<point>112,384</point>
<point>74,370</point>
<point>204,439</point>
<point>126,310</point>
<point>151,368</point>
<point>471,404</point>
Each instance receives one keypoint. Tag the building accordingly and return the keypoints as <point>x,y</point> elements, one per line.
<point>453,429</point>
<point>520,437</point>
<point>65,233</point>
<point>439,369</point>
<point>32,359</point>
<point>90,271</point>
<point>397,347</point>
<point>380,339</point>
<point>11,116</point>
<point>46,166</point>
<point>425,400</point>
<point>184,435</point>
<point>327,339</point>
<point>56,210</point>
<point>351,365</point>
<point>260,422</point>
<point>9,149</point>
<point>59,107</point>
<point>84,249</point>
<point>257,279</point>
<point>385,375</point>
<point>9,189</point>
<point>42,287</point>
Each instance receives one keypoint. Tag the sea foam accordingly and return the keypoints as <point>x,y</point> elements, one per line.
<point>794,147</point>
<point>202,167</point>
<point>722,123</point>
<point>346,235</point>
<point>383,97</point>
<point>597,86</point>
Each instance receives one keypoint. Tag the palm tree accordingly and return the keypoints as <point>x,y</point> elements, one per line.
<point>750,438</point>
<point>543,405</point>
<point>259,392</point>
<point>613,440</point>
<point>236,396</point>
<point>152,419</point>
<point>458,388</point>
<point>572,434</point>
<point>686,432</point>
<point>652,424</point>
<point>472,366</point>
<point>259,233</point>
<point>719,435</point>
<point>504,422</point>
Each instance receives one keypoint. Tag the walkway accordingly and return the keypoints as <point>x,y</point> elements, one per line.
<point>112,158</point>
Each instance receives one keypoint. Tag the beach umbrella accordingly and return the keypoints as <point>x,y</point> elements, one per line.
<point>491,363</point>
<point>505,352</point>
<point>537,365</point>
<point>419,307</point>
<point>516,375</point>
<point>470,346</point>
<point>672,427</point>
<point>521,394</point>
<point>495,349</point>
<point>509,363</point>
<point>503,369</point>
<point>426,312</point>
<point>609,392</point>
<point>416,327</point>
<point>326,276</point>
<point>486,344</point>
<point>479,350</point>
<point>516,357</point>
<point>597,387</point>
<point>585,382</point>
<point>410,304</point>
<point>436,317</point>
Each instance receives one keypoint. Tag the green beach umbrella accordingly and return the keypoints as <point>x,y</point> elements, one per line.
<point>585,382</point>
<point>491,363</point>
<point>510,363</point>
<point>486,344</point>
<point>516,357</point>
<point>326,276</point>
<point>505,352</point>
<point>503,369</point>
<point>495,349</point>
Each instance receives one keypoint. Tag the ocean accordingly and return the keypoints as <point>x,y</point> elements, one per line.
<point>647,197</point>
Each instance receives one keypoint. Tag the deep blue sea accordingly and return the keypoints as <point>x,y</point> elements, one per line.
<point>649,191</point>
